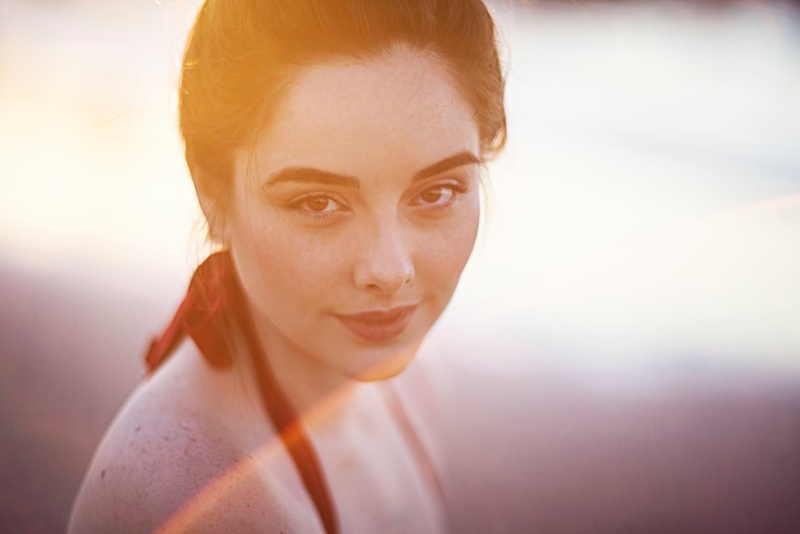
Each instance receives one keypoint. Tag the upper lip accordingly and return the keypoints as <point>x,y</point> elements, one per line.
<point>378,315</point>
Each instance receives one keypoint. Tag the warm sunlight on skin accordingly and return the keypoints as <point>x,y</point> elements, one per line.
<point>348,220</point>
<point>352,220</point>
<point>191,512</point>
<point>350,224</point>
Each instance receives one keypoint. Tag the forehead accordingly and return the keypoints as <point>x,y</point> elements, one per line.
<point>401,109</point>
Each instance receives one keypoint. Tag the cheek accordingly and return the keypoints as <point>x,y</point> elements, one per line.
<point>281,268</point>
<point>447,256</point>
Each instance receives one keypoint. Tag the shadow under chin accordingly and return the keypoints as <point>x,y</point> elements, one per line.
<point>390,365</point>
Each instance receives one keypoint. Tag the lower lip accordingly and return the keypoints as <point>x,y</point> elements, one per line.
<point>378,331</point>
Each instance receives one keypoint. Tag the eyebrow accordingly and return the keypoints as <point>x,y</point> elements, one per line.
<point>318,176</point>
<point>456,160</point>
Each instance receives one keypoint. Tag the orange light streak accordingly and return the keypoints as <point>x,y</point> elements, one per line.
<point>192,511</point>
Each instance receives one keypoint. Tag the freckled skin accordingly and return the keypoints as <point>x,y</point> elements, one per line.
<point>392,241</point>
<point>379,122</point>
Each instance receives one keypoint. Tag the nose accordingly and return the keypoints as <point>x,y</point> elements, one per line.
<point>385,263</point>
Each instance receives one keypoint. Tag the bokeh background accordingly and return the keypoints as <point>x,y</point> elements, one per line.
<point>641,244</point>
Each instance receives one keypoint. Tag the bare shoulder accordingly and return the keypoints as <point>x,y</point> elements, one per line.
<point>176,452</point>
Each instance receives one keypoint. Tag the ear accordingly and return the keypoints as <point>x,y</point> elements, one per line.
<point>212,199</point>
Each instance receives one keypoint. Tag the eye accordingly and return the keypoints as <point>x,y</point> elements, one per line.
<point>437,196</point>
<point>317,205</point>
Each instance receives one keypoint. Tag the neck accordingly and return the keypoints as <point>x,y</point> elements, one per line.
<point>314,391</point>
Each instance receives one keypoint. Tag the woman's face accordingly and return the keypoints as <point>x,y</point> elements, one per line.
<point>351,221</point>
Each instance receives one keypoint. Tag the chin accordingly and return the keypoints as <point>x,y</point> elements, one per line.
<point>390,364</point>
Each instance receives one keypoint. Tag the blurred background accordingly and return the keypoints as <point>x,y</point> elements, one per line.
<point>641,238</point>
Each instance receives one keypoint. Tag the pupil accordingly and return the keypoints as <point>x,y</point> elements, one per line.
<point>432,195</point>
<point>317,204</point>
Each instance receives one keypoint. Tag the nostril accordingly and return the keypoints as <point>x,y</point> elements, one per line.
<point>384,275</point>
<point>384,264</point>
<point>391,284</point>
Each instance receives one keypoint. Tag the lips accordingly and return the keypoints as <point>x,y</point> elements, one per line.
<point>379,325</point>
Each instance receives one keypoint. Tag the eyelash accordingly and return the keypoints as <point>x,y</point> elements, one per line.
<point>456,188</point>
<point>316,216</point>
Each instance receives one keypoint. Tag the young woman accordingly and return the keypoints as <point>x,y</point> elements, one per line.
<point>335,146</point>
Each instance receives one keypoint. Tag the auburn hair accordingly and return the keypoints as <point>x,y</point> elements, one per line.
<point>242,56</point>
